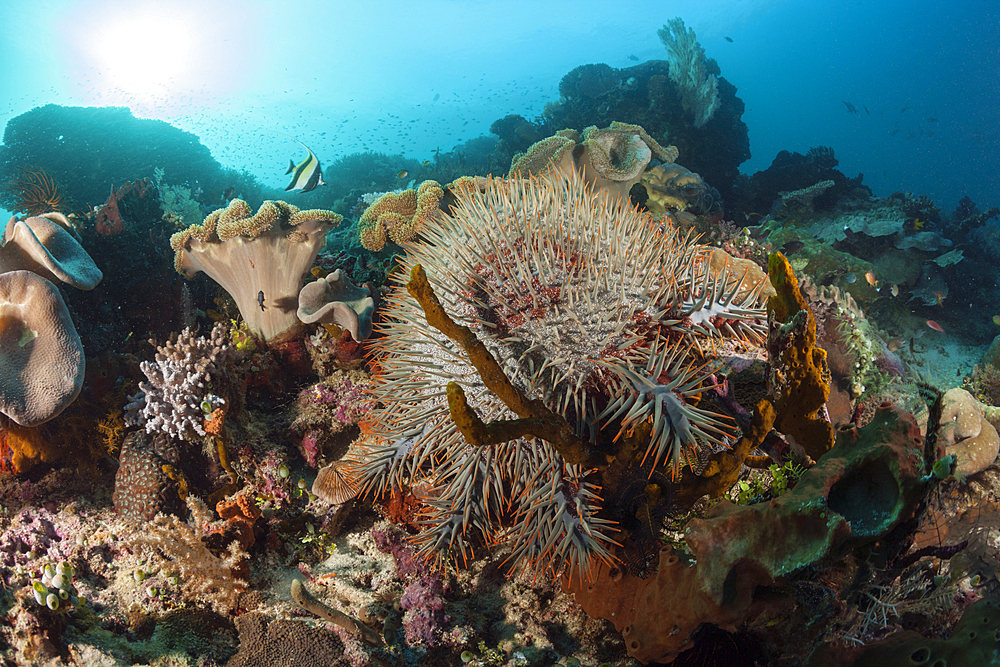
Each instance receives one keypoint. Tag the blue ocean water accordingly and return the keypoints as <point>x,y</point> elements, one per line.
<point>411,78</point>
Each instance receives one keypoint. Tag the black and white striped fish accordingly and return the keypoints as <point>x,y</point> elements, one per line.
<point>308,174</point>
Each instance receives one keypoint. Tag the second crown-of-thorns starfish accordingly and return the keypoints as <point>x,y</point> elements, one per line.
<point>589,306</point>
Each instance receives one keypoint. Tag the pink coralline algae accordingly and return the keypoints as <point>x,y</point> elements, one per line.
<point>423,599</point>
<point>423,602</point>
<point>310,448</point>
<point>348,399</point>
<point>32,536</point>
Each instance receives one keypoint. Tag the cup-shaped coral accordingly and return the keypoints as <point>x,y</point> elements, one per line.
<point>43,245</point>
<point>611,159</point>
<point>336,300</point>
<point>259,259</point>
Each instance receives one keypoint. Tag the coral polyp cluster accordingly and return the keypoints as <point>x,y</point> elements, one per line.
<point>577,296</point>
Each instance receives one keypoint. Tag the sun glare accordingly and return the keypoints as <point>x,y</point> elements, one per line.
<point>152,55</point>
<point>147,52</point>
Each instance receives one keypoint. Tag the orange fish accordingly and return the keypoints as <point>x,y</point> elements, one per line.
<point>940,296</point>
<point>934,325</point>
<point>870,277</point>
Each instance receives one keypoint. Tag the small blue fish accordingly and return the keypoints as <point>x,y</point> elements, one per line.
<point>850,278</point>
<point>308,174</point>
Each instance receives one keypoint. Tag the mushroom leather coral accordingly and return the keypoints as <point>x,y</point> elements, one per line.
<point>336,300</point>
<point>855,493</point>
<point>43,245</point>
<point>258,259</point>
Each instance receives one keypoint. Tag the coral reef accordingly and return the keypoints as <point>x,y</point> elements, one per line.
<point>645,95</point>
<point>869,482</point>
<point>611,159</point>
<point>84,149</point>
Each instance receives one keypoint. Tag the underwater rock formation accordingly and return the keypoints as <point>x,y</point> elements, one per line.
<point>84,149</point>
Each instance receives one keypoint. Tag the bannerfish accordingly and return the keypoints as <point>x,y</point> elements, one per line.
<point>307,174</point>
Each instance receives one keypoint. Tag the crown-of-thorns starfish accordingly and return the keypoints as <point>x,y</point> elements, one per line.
<point>587,305</point>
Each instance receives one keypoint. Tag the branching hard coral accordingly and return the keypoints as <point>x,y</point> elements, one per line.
<point>176,398</point>
<point>495,371</point>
